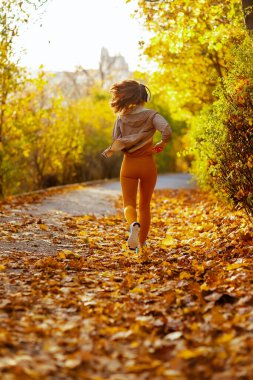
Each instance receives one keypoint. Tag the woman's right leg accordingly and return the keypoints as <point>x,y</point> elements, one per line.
<point>147,184</point>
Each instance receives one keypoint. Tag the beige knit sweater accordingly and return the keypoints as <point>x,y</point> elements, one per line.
<point>135,129</point>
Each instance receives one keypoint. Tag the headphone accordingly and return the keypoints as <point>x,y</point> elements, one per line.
<point>149,94</point>
<point>148,97</point>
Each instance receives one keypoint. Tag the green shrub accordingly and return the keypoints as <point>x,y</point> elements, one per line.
<point>222,135</point>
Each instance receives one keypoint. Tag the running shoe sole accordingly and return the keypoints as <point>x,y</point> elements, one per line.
<point>133,239</point>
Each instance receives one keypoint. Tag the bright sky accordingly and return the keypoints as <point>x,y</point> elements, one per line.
<point>72,32</point>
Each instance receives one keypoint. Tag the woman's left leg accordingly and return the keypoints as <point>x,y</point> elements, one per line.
<point>129,185</point>
<point>129,192</point>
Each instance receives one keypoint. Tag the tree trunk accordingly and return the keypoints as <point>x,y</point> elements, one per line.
<point>247,6</point>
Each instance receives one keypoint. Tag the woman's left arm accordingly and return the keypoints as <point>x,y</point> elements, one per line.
<point>116,133</point>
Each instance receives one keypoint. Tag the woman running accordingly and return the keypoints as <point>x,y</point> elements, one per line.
<point>133,135</point>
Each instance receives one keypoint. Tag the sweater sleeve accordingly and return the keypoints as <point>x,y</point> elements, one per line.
<point>162,126</point>
<point>116,130</point>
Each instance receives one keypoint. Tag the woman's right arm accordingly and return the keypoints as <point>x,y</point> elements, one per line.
<point>162,126</point>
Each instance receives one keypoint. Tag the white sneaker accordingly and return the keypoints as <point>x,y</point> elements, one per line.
<point>133,239</point>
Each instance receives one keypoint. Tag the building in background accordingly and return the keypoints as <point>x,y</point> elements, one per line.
<point>78,83</point>
<point>112,68</point>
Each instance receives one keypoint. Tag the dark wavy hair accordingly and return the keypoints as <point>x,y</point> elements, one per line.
<point>128,94</point>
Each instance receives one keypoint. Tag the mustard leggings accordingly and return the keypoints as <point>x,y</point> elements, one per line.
<point>134,170</point>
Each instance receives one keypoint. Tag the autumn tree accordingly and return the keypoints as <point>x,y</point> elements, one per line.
<point>13,13</point>
<point>191,45</point>
<point>10,15</point>
<point>205,60</point>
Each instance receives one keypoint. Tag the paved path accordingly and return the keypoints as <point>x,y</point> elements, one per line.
<point>96,199</point>
<point>164,181</point>
<point>99,199</point>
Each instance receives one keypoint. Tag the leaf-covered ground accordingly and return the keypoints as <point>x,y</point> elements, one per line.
<point>76,304</point>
